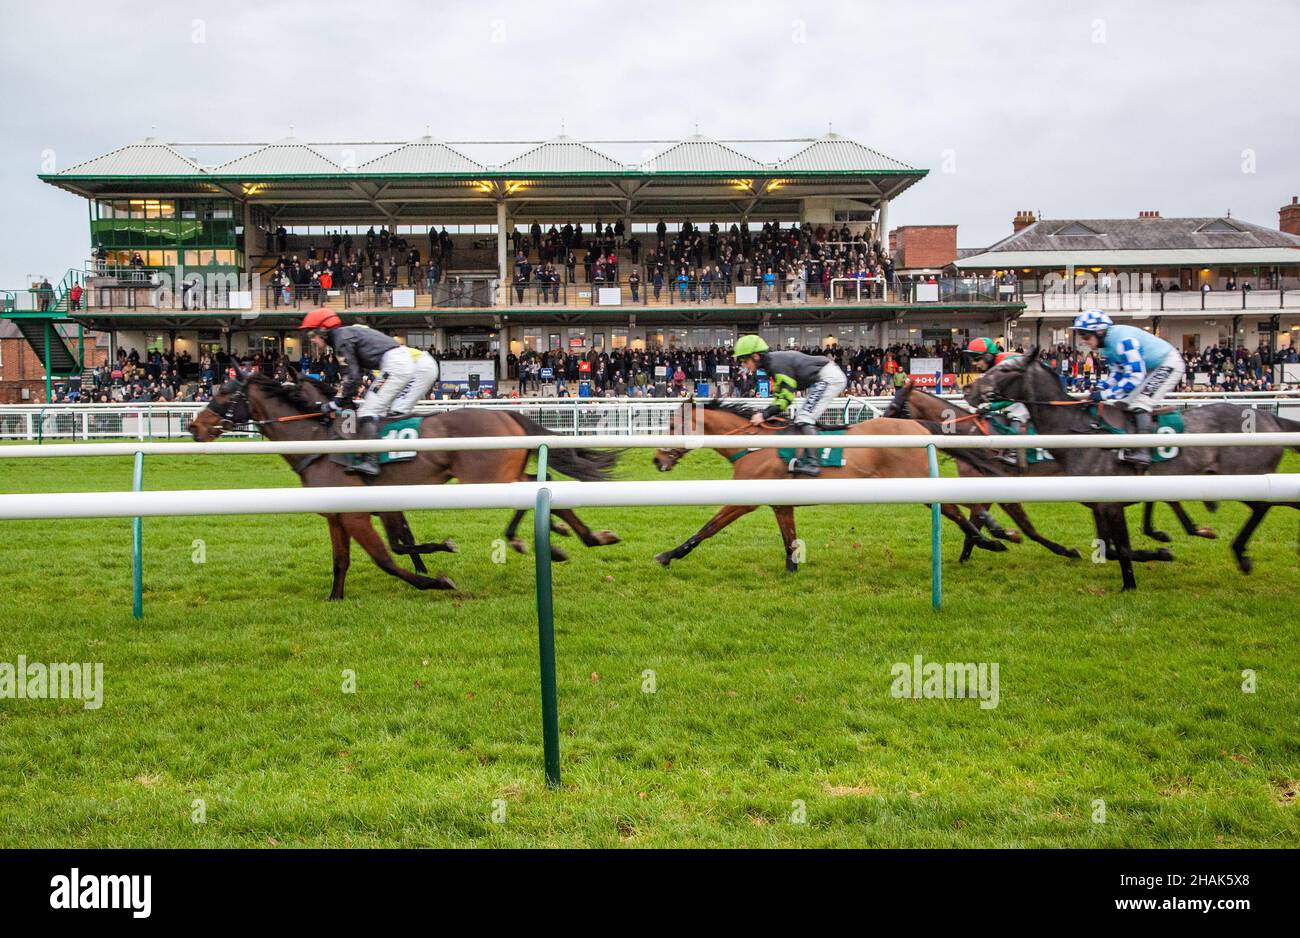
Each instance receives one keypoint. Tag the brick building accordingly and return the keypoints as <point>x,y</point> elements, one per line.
<point>923,247</point>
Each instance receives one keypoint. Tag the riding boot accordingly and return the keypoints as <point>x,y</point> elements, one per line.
<point>1139,455</point>
<point>809,462</point>
<point>367,463</point>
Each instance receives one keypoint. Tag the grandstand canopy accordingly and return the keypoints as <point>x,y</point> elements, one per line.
<point>427,180</point>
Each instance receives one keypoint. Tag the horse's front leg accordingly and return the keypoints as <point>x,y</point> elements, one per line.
<point>715,524</point>
<point>1148,528</point>
<point>1190,526</point>
<point>341,545</point>
<point>785,521</point>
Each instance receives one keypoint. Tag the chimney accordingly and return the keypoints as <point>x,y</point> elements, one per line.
<point>1022,220</point>
<point>1288,217</point>
<point>1148,214</point>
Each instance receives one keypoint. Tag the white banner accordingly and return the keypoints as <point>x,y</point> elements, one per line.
<point>404,299</point>
<point>610,296</point>
<point>746,295</point>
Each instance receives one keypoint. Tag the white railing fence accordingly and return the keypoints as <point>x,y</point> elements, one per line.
<point>625,416</point>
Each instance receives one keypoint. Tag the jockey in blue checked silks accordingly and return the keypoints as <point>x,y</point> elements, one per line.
<point>1143,369</point>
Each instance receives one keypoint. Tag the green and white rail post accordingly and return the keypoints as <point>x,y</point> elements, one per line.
<point>936,557</point>
<point>137,544</point>
<point>546,625</point>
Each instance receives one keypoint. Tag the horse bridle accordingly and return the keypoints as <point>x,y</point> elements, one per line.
<point>238,398</point>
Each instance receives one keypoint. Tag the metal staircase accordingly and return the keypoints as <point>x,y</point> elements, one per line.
<point>39,326</point>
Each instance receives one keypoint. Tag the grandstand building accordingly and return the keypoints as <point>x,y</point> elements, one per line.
<point>185,243</point>
<point>1198,282</point>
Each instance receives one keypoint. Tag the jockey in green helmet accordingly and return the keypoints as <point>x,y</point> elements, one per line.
<point>818,377</point>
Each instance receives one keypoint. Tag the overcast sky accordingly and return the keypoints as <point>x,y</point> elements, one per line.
<point>1086,109</point>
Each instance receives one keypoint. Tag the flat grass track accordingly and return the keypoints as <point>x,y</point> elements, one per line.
<point>771,722</point>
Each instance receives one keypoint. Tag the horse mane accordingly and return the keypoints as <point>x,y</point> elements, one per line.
<point>291,394</point>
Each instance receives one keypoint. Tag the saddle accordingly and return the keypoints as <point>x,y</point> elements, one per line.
<point>1120,418</point>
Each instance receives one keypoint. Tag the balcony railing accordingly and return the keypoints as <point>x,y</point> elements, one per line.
<point>1156,302</point>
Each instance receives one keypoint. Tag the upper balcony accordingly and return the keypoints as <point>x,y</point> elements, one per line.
<point>111,294</point>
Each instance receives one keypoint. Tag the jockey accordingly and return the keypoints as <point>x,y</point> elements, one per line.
<point>820,377</point>
<point>982,354</point>
<point>1143,369</point>
<point>405,375</point>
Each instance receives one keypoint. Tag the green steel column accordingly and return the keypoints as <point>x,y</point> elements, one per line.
<point>541,463</point>
<point>137,539</point>
<point>936,559</point>
<point>546,634</point>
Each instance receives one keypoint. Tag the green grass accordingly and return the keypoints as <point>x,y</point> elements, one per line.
<point>771,688</point>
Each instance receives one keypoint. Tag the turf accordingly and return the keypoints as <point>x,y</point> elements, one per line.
<point>771,722</point>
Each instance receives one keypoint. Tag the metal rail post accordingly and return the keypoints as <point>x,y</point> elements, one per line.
<point>137,545</point>
<point>936,558</point>
<point>546,626</point>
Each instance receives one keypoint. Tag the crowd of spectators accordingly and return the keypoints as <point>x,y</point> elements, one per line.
<point>792,263</point>
<point>871,371</point>
<point>368,269</point>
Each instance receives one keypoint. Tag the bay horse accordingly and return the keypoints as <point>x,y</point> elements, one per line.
<point>715,418</point>
<point>286,411</point>
<point>956,416</point>
<point>1033,383</point>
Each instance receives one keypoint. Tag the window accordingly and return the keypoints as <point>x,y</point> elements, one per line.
<point>1074,230</point>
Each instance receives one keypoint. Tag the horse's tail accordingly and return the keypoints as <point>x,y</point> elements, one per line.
<point>584,464</point>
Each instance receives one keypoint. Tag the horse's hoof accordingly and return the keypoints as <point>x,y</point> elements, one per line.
<point>1160,536</point>
<point>558,555</point>
<point>1245,564</point>
<point>518,545</point>
<point>1012,535</point>
<point>449,546</point>
<point>664,559</point>
<point>996,547</point>
<point>560,528</point>
<point>1073,554</point>
<point>1208,533</point>
<point>791,567</point>
<point>1164,555</point>
<point>606,537</point>
<point>441,583</point>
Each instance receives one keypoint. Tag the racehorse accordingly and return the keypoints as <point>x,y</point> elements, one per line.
<point>911,402</point>
<point>1033,383</point>
<point>715,418</point>
<point>285,411</point>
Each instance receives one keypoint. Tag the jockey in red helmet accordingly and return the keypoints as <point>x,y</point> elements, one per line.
<point>982,353</point>
<point>403,375</point>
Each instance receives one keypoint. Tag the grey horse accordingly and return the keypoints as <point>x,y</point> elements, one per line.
<point>1032,382</point>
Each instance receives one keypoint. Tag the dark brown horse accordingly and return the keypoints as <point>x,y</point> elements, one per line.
<point>723,420</point>
<point>959,417</point>
<point>284,411</point>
